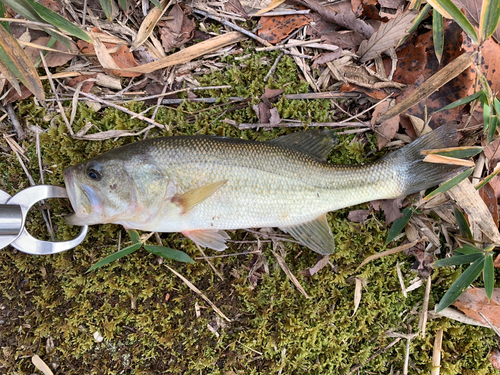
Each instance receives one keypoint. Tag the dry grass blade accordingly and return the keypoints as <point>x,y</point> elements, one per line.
<point>274,4</point>
<point>149,23</point>
<point>358,289</point>
<point>19,64</point>
<point>469,199</point>
<point>197,291</point>
<point>436,353</point>
<point>389,252</point>
<point>103,54</point>
<point>433,84</point>
<point>440,159</point>
<point>290,275</point>
<point>190,53</point>
<point>41,365</point>
<point>386,37</point>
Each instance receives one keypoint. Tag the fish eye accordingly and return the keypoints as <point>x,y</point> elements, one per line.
<point>94,174</point>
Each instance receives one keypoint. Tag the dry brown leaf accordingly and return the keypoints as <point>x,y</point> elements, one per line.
<point>431,85</point>
<point>53,59</point>
<point>275,118</point>
<point>496,262</point>
<point>386,130</point>
<point>178,31</point>
<point>317,267</point>
<point>387,36</point>
<point>29,76</point>
<point>341,14</point>
<point>275,29</point>
<point>495,359</point>
<point>358,289</point>
<point>474,301</point>
<point>489,197</point>
<point>358,216</point>
<point>469,199</point>
<point>149,23</point>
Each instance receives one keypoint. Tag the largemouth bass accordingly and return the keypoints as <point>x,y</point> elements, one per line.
<point>203,185</point>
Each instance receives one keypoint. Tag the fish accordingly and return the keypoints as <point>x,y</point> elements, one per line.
<point>204,185</point>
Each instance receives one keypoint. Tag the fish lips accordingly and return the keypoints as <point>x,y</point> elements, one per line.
<point>84,200</point>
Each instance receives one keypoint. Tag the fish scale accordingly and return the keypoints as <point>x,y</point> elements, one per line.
<point>202,185</point>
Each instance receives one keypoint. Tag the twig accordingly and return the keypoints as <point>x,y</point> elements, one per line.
<point>233,26</point>
<point>273,68</point>
<point>209,263</point>
<point>202,100</point>
<point>123,109</point>
<point>59,104</point>
<point>187,89</point>
<point>232,255</point>
<point>425,308</point>
<point>197,291</point>
<point>289,273</point>
<point>436,353</point>
<point>15,121</point>
<point>281,13</point>
<point>300,124</point>
<point>303,43</point>
<point>495,329</point>
<point>366,110</point>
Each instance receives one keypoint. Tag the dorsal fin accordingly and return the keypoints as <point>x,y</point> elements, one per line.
<point>317,143</point>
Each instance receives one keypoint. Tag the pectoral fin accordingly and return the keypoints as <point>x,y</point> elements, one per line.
<point>211,238</point>
<point>195,196</point>
<point>315,234</point>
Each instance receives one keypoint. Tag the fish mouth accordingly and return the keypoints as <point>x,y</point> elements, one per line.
<point>88,209</point>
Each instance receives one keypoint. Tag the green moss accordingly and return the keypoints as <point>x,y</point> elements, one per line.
<point>147,316</point>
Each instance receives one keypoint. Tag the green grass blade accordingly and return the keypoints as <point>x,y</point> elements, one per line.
<point>492,127</point>
<point>447,7</point>
<point>399,224</point>
<point>24,8</point>
<point>457,260</point>
<point>458,287</point>
<point>107,7</point>
<point>462,223</point>
<point>487,179</point>
<point>134,236</point>
<point>438,34</point>
<point>169,253</point>
<point>463,101</point>
<point>115,256</point>
<point>488,22</point>
<point>486,116</point>
<point>497,106</point>
<point>156,3</point>
<point>489,275</point>
<point>462,152</point>
<point>3,13</point>
<point>450,183</point>
<point>468,249</point>
<point>60,22</point>
<point>123,4</point>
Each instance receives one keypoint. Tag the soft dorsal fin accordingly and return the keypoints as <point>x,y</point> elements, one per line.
<point>315,234</point>
<point>317,143</point>
<point>195,196</point>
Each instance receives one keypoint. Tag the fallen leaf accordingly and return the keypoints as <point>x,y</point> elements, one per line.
<point>390,207</point>
<point>341,14</point>
<point>317,267</point>
<point>234,6</point>
<point>373,93</point>
<point>490,64</point>
<point>41,365</point>
<point>178,31</point>
<point>495,358</point>
<point>488,195</point>
<point>323,58</point>
<point>358,289</point>
<point>492,151</point>
<point>358,216</point>
<point>53,59</point>
<point>387,36</point>
<point>262,110</point>
<point>392,4</point>
<point>496,263</point>
<point>474,301</point>
<point>275,118</point>
<point>13,96</point>
<point>149,23</point>
<point>274,4</point>
<point>349,39</point>
<point>424,261</point>
<point>387,129</point>
<point>275,29</point>
<point>87,86</point>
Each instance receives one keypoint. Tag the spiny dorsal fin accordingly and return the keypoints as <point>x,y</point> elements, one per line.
<point>195,196</point>
<point>315,234</point>
<point>317,143</point>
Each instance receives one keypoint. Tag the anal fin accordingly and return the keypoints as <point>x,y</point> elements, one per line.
<point>315,234</point>
<point>211,238</point>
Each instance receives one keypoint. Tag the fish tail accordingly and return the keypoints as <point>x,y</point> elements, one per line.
<point>422,175</point>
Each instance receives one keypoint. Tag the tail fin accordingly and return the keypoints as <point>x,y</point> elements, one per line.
<point>422,175</point>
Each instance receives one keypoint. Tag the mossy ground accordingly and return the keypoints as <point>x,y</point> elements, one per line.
<point>146,315</point>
